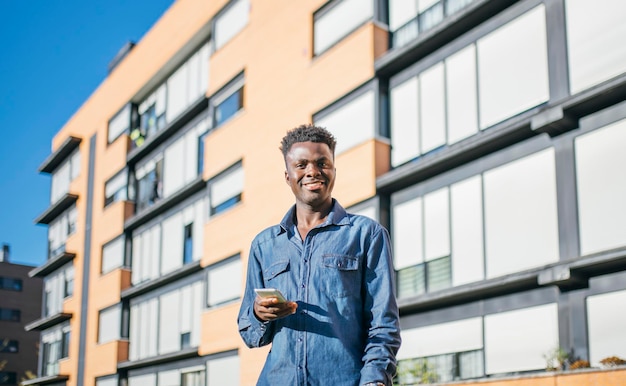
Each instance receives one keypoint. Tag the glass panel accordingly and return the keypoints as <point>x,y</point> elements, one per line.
<point>407,233</point>
<point>227,109</point>
<point>436,224</point>
<point>230,22</point>
<point>595,41</point>
<point>438,274</point>
<point>411,281</point>
<point>339,21</point>
<point>224,282</point>
<point>353,123</point>
<point>513,68</point>
<point>223,371</point>
<point>600,160</point>
<point>606,321</point>
<point>468,262</point>
<point>404,122</point>
<point>432,108</point>
<point>521,229</point>
<point>518,340</point>
<point>461,94</point>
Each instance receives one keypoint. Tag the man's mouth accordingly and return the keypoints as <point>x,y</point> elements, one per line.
<point>313,185</point>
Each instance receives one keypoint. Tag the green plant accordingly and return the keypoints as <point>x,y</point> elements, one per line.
<point>416,372</point>
<point>557,359</point>
<point>612,361</point>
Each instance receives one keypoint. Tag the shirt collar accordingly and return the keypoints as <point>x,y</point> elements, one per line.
<point>336,216</point>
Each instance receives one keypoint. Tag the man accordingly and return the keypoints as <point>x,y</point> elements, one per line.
<point>339,325</point>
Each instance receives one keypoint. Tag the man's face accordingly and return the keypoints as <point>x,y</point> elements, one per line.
<point>310,172</point>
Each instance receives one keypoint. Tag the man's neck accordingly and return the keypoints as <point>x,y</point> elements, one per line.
<point>308,217</point>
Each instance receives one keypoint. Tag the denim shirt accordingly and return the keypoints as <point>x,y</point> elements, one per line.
<point>346,329</point>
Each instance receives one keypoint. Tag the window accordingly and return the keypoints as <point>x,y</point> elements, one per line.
<point>9,315</point>
<point>232,19</point>
<point>201,140</point>
<point>120,123</point>
<point>438,235</point>
<point>165,323</point>
<point>430,217</point>
<point>513,68</point>
<point>338,19</point>
<point>59,230</point>
<point>193,378</point>
<point>9,346</point>
<point>181,159</point>
<point>149,184</point>
<point>159,248</point>
<point>186,86</point>
<point>352,120</point>
<point>223,371</point>
<point>115,188</point>
<point>58,286</point>
<point>188,244</point>
<point>531,332</point>
<point>592,27</point>
<point>109,324</point>
<point>227,102</point>
<point>63,175</point>
<point>113,254</point>
<point>605,319</point>
<point>8,378</point>
<point>600,156</point>
<point>224,281</point>
<point>520,209</point>
<point>107,381</point>
<point>55,342</point>
<point>225,190</point>
<point>10,283</point>
<point>471,89</point>
<point>410,18</point>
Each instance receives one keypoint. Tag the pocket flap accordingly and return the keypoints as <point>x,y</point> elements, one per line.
<point>341,262</point>
<point>275,269</point>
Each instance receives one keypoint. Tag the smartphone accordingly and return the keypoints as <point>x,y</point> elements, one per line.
<point>270,293</point>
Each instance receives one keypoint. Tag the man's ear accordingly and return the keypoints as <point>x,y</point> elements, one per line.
<point>286,177</point>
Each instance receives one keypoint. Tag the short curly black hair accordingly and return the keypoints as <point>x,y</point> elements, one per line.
<point>307,133</point>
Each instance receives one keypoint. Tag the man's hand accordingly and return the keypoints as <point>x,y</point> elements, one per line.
<point>268,309</point>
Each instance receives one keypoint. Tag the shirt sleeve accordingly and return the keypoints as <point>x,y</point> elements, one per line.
<point>254,332</point>
<point>381,312</point>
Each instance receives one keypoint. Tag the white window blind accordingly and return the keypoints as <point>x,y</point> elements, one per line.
<point>405,142</point>
<point>109,324</point>
<point>444,338</point>
<point>226,186</point>
<point>231,21</point>
<point>224,282</point>
<point>601,186</point>
<point>113,255</point>
<point>352,123</point>
<point>120,123</point>
<point>339,21</point>
<point>517,340</point>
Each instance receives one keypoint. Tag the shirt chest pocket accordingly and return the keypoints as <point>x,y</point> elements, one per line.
<point>341,275</point>
<point>275,274</point>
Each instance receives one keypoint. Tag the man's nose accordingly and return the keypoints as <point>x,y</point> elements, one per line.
<point>312,169</point>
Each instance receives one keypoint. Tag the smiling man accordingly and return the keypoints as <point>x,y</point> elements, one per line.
<point>339,324</point>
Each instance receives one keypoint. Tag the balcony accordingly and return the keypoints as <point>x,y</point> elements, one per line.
<point>56,158</point>
<point>56,209</point>
<point>47,322</point>
<point>54,262</point>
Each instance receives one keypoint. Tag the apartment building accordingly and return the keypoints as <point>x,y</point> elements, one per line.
<point>489,136</point>
<point>20,302</point>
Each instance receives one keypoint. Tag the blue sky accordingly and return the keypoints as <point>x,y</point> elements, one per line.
<point>53,55</point>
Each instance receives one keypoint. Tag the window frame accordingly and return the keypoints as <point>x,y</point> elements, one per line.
<point>235,86</point>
